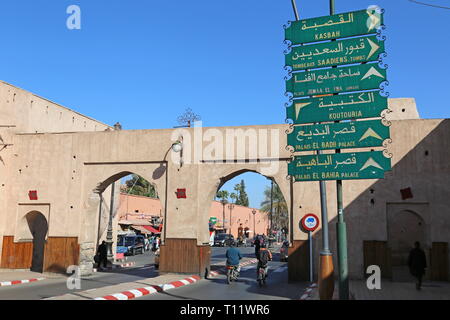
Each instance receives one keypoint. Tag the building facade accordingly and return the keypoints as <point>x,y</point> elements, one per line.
<point>57,166</point>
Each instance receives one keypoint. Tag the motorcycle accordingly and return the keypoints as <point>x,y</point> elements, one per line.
<point>261,275</point>
<point>232,273</point>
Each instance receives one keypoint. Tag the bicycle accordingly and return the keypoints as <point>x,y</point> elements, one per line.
<point>232,273</point>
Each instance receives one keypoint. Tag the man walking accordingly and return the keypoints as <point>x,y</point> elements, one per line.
<point>417,263</point>
<point>102,253</point>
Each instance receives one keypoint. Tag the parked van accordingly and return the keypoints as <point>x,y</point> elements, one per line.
<point>130,245</point>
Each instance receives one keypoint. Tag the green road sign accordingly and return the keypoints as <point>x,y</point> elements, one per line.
<point>337,107</point>
<point>339,166</point>
<point>335,53</point>
<point>355,134</point>
<point>213,220</point>
<point>333,27</point>
<point>336,80</point>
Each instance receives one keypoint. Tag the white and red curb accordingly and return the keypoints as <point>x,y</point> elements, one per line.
<point>308,292</point>
<point>14,282</point>
<point>125,265</point>
<point>136,293</point>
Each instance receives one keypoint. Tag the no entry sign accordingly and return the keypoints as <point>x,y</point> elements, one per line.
<point>310,222</point>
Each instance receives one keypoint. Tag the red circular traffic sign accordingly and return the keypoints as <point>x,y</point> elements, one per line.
<point>310,222</point>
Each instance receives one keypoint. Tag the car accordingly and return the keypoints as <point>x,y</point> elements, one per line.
<point>223,239</point>
<point>131,245</point>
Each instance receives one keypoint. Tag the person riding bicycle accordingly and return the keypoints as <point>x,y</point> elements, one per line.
<point>263,258</point>
<point>233,256</point>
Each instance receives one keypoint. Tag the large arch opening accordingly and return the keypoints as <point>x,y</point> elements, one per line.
<point>247,204</point>
<point>131,215</point>
<point>39,228</point>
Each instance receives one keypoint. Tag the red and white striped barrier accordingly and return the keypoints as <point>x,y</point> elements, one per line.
<point>223,270</point>
<point>136,293</point>
<point>308,292</point>
<point>11,283</point>
<point>125,265</point>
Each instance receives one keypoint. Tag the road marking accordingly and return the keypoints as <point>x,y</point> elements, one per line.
<point>281,269</point>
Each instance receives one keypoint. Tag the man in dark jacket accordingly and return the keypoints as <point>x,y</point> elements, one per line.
<point>102,255</point>
<point>257,247</point>
<point>417,263</point>
<point>233,256</point>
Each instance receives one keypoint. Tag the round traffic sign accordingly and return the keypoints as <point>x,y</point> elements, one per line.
<point>310,222</point>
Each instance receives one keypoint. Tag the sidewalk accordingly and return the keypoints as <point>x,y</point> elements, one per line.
<point>393,291</point>
<point>401,291</point>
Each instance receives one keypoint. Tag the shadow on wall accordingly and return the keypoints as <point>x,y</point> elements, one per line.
<point>383,222</point>
<point>38,227</point>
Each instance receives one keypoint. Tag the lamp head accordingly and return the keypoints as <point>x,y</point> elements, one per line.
<point>177,146</point>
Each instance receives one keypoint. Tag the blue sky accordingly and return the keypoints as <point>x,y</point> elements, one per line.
<point>142,62</point>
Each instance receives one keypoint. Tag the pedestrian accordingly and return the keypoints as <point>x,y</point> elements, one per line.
<point>417,263</point>
<point>154,244</point>
<point>257,247</point>
<point>102,253</point>
<point>158,242</point>
<point>146,244</point>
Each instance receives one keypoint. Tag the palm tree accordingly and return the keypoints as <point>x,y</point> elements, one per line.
<point>223,195</point>
<point>280,215</point>
<point>233,196</point>
<point>140,187</point>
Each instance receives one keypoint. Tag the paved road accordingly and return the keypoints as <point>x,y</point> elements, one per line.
<point>55,287</point>
<point>216,288</point>
<point>246,288</point>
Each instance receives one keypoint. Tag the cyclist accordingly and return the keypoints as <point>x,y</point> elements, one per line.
<point>233,256</point>
<point>263,259</point>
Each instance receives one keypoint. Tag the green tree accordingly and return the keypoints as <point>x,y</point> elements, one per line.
<point>222,195</point>
<point>234,197</point>
<point>242,197</point>
<point>140,187</point>
<point>280,216</point>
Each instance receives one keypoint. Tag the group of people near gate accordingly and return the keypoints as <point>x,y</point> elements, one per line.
<point>417,262</point>
<point>262,253</point>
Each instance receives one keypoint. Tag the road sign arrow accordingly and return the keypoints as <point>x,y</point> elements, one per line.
<point>372,72</point>
<point>370,133</point>
<point>374,48</point>
<point>299,106</point>
<point>371,163</point>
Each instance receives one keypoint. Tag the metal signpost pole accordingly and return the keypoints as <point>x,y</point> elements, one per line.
<point>326,269</point>
<point>341,227</point>
<point>328,95</point>
<point>311,263</point>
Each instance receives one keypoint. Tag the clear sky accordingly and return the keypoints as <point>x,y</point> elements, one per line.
<point>142,62</point>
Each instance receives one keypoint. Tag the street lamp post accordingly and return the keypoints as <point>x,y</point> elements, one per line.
<point>254,225</point>
<point>176,147</point>
<point>109,238</point>
<point>231,207</point>
<point>224,202</point>
<point>271,206</point>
